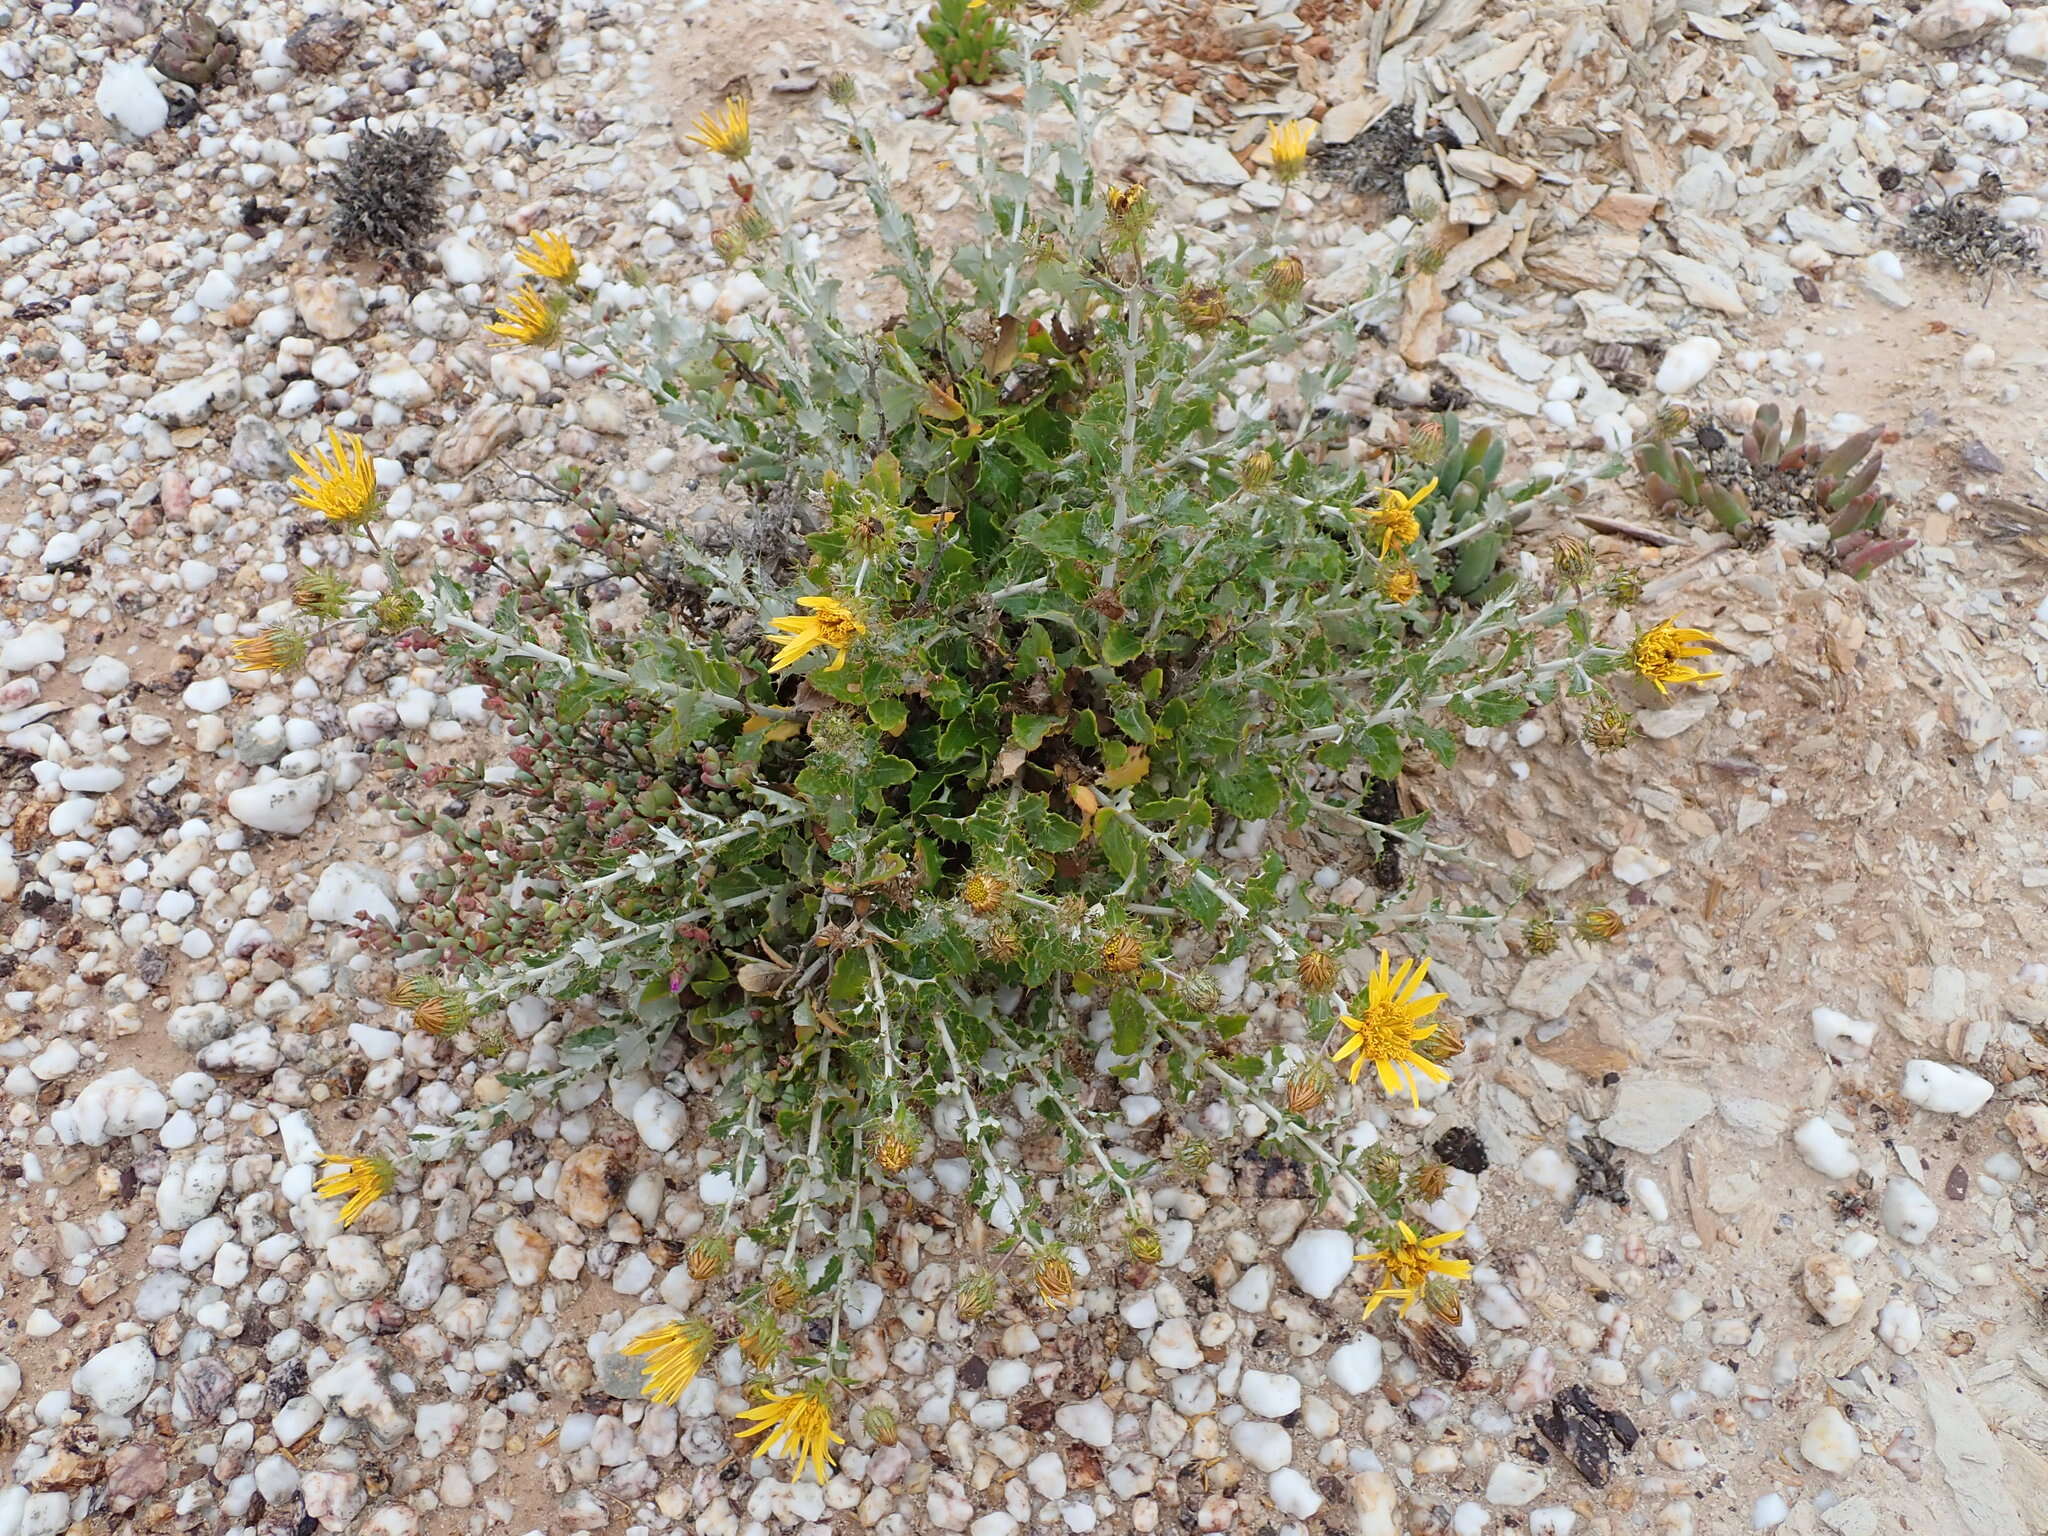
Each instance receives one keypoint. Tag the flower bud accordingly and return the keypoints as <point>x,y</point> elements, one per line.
<point>710,1256</point>
<point>1255,471</point>
<point>881,1425</point>
<point>1285,279</point>
<point>1316,970</point>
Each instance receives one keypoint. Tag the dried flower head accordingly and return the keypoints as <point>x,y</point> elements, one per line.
<point>1316,970</point>
<point>1200,992</point>
<point>881,1425</point>
<point>1440,1296</point>
<point>1447,1044</point>
<point>361,1181</point>
<point>527,319</point>
<point>762,1341</point>
<point>1571,561</point>
<point>800,1422</point>
<point>339,481</point>
<point>1625,587</point>
<point>1285,279</point>
<point>1389,1024</point>
<point>550,257</point>
<point>725,130</point>
<point>1308,1086</point>
<point>1599,923</point>
<point>1540,936</point>
<point>783,1291</point>
<point>709,1257</point>
<point>841,91</point>
<point>984,892</point>
<point>275,650</point>
<point>444,1013</point>
<point>1426,441</point>
<point>1430,1180</point>
<point>1143,1242</point>
<point>1669,421</point>
<point>1204,307</point>
<point>1052,1276</point>
<point>1660,653</point>
<point>1287,144</point>
<point>1193,1156</point>
<point>1255,470</point>
<point>976,1297</point>
<point>1121,953</point>
<point>1609,728</point>
<point>396,612</point>
<point>321,594</point>
<point>1406,1263</point>
<point>830,623</point>
<point>729,245</point>
<point>674,1354</point>
<point>1001,943</point>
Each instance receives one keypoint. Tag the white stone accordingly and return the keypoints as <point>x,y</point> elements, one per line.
<point>660,1119</point>
<point>2028,39</point>
<point>37,645</point>
<point>1553,1520</point>
<point>1089,1421</point>
<point>1355,1367</point>
<point>461,262</point>
<point>352,893</point>
<point>1201,162</point>
<point>1293,1494</point>
<point>1829,1443</point>
<point>1637,866</point>
<point>1173,1345</point>
<point>1687,365</point>
<point>1769,1512</point>
<point>1550,1171</point>
<point>1266,1446</point>
<point>1826,1151</point>
<point>107,676</point>
<point>1945,1090</point>
<point>128,95</point>
<point>118,1378</point>
<point>359,1271</point>
<point>1269,1394</point>
<point>2001,125</point>
<point>1831,1288</point>
<point>332,308</point>
<point>1253,1291</point>
<point>1908,1214</point>
<point>1839,1035</point>
<point>2029,1126</point>
<point>217,290</point>
<point>117,1105</point>
<point>1652,1112</point>
<point>1952,23</point>
<point>1898,1325</point>
<point>400,384</point>
<point>1513,1484</point>
<point>1319,1260</point>
<point>207,695</point>
<point>190,1189</point>
<point>190,401</point>
<point>283,806</point>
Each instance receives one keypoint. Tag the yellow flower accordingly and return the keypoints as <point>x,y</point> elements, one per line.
<point>984,893</point>
<point>1121,953</point>
<point>550,258</point>
<point>1400,584</point>
<point>1406,1266</point>
<point>830,623</point>
<point>799,1421</point>
<point>1659,655</point>
<point>1390,1025</point>
<point>675,1353</point>
<point>339,481</point>
<point>526,319</point>
<point>726,130</point>
<point>1287,143</point>
<point>1395,516</point>
<point>364,1180</point>
<point>275,650</point>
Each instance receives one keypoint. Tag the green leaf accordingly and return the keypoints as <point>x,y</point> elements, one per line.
<point>1121,644</point>
<point>890,714</point>
<point>1127,1022</point>
<point>1027,731</point>
<point>1249,791</point>
<point>1121,846</point>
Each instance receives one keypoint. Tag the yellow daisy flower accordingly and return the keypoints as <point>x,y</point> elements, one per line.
<point>1405,1267</point>
<point>1395,516</point>
<point>339,481</point>
<point>526,319</point>
<point>1400,584</point>
<point>363,1180</point>
<point>1659,654</point>
<point>829,623</point>
<point>675,1353</point>
<point>1389,1026</point>
<point>1287,143</point>
<point>799,1421</point>
<point>550,258</point>
<point>726,130</point>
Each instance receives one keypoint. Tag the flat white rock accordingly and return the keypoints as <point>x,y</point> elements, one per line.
<point>128,95</point>
<point>1945,1089</point>
<point>1652,1112</point>
<point>283,806</point>
<point>1319,1260</point>
<point>118,1378</point>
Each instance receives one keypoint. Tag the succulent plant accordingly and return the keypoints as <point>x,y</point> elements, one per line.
<point>1469,494</point>
<point>1776,471</point>
<point>967,38</point>
<point>193,50</point>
